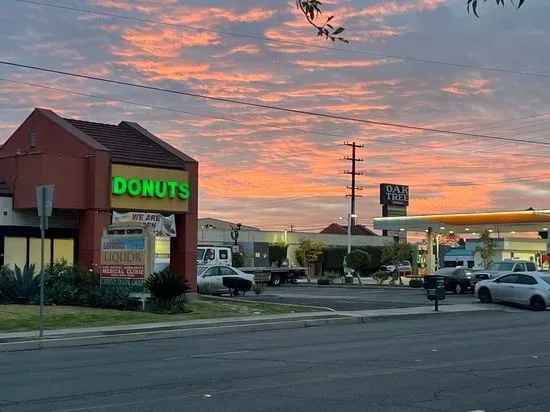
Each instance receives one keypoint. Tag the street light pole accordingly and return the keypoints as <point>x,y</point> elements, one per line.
<point>351,218</point>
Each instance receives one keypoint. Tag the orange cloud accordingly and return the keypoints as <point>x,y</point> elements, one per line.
<point>469,87</point>
<point>311,65</point>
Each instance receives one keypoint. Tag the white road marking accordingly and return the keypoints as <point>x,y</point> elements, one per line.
<point>206,355</point>
<point>434,350</point>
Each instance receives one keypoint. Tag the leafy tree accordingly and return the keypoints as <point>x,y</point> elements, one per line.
<point>395,253</point>
<point>359,261</point>
<point>486,249</point>
<point>474,3</point>
<point>309,252</point>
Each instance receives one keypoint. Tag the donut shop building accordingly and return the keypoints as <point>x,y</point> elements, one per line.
<point>102,173</point>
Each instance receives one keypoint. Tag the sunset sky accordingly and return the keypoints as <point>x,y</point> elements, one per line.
<point>272,169</point>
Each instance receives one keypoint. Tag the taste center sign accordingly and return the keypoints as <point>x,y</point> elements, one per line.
<point>127,253</point>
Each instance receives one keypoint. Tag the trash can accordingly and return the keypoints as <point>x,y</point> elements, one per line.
<point>349,279</point>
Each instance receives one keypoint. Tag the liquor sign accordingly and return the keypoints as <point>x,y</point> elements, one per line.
<point>394,195</point>
<point>163,226</point>
<point>127,254</point>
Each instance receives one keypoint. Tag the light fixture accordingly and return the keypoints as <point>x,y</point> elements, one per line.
<point>490,230</point>
<point>451,232</point>
<point>512,232</point>
<point>426,230</point>
<point>545,229</point>
<point>402,230</point>
<point>474,234</point>
<point>467,229</point>
<point>442,228</point>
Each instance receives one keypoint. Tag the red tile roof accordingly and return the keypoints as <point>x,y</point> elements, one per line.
<point>357,230</point>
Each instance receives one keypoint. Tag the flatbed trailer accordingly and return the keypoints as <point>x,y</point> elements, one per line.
<point>274,275</point>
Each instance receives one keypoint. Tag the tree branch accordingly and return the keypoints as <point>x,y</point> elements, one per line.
<point>312,11</point>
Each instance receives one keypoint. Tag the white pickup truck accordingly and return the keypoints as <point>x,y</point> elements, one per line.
<point>504,267</point>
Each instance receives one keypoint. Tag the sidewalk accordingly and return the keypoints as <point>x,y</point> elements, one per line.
<point>21,341</point>
<point>340,282</point>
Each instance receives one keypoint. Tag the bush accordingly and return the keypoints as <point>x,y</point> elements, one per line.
<point>70,285</point>
<point>168,291</point>
<point>381,276</point>
<point>358,260</point>
<point>277,253</point>
<point>258,288</point>
<point>24,286</point>
<point>416,282</point>
<point>238,260</point>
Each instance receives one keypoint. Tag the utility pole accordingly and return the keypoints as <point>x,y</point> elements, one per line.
<point>353,172</point>
<point>352,216</point>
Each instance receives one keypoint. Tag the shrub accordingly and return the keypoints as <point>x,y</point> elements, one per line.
<point>258,288</point>
<point>358,260</point>
<point>70,285</point>
<point>381,276</point>
<point>238,260</point>
<point>7,281</point>
<point>416,282</point>
<point>168,291</point>
<point>26,286</point>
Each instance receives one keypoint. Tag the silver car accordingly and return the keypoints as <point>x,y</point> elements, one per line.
<point>528,289</point>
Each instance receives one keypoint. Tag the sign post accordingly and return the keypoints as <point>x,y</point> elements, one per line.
<point>44,204</point>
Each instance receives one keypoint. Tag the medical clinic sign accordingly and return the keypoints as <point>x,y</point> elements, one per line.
<point>127,251</point>
<point>394,195</point>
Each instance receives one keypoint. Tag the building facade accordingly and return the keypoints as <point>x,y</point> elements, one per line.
<point>97,169</point>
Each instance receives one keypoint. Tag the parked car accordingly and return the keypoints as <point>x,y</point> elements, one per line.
<point>527,289</point>
<point>457,279</point>
<point>404,268</point>
<point>219,279</point>
<point>496,269</point>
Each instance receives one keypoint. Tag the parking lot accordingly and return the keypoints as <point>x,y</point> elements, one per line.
<point>344,299</point>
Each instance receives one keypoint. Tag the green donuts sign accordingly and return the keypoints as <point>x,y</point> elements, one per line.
<point>149,188</point>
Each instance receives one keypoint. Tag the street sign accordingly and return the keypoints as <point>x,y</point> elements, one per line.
<point>44,200</point>
<point>44,204</point>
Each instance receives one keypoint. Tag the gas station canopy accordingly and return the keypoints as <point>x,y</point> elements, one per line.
<point>472,223</point>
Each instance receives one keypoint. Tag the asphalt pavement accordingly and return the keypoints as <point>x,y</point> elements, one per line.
<point>346,299</point>
<point>487,362</point>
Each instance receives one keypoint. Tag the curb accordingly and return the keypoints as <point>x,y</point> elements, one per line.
<point>102,339</point>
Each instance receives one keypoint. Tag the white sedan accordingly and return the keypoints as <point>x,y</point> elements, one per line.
<point>528,289</point>
<point>218,279</point>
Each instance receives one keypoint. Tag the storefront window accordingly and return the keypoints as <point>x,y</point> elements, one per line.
<point>15,251</point>
<point>34,252</point>
<point>63,249</point>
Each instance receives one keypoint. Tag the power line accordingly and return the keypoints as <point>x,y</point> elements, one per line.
<point>270,107</point>
<point>293,43</point>
<point>316,132</point>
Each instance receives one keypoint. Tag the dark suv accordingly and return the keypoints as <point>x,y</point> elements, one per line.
<point>457,279</point>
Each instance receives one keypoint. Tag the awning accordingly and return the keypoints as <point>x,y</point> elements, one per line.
<point>474,223</point>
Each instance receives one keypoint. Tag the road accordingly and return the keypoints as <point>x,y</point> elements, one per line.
<point>491,362</point>
<point>344,299</point>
